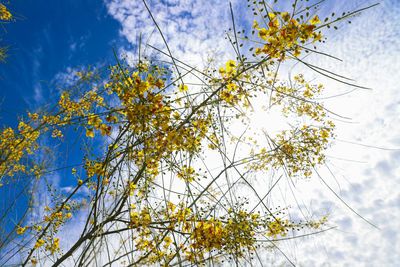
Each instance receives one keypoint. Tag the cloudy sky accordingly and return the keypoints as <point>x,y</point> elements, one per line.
<point>51,39</point>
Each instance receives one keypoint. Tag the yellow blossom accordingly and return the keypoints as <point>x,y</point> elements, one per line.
<point>187,174</point>
<point>90,133</point>
<point>21,230</point>
<point>182,88</point>
<point>230,67</point>
<point>285,16</point>
<point>315,20</point>
<point>56,133</point>
<point>39,243</point>
<point>277,227</point>
<point>4,13</point>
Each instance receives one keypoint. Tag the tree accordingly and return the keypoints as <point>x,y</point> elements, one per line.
<point>169,162</point>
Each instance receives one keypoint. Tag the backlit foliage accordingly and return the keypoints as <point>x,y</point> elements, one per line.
<point>143,185</point>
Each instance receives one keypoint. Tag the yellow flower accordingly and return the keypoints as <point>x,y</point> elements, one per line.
<point>105,129</point>
<point>315,20</point>
<point>297,51</point>
<point>167,241</point>
<point>324,133</point>
<point>4,13</point>
<point>34,261</point>
<point>262,33</point>
<point>39,243</point>
<point>112,119</point>
<point>231,67</point>
<point>33,116</point>
<point>222,71</point>
<point>56,133</point>
<point>89,133</point>
<point>159,83</point>
<point>55,246</point>
<point>277,227</point>
<point>21,230</point>
<point>285,16</point>
<point>94,120</point>
<point>182,88</point>
<point>132,188</point>
<point>255,24</point>
<point>271,15</point>
<point>187,174</point>
<point>317,36</point>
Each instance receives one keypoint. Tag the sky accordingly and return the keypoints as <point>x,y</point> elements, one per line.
<point>47,41</point>
<point>52,39</point>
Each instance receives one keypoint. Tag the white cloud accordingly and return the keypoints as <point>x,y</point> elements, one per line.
<point>192,28</point>
<point>66,78</point>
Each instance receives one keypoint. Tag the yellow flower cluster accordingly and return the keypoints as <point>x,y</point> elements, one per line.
<point>187,174</point>
<point>208,235</point>
<point>161,234</point>
<point>130,85</point>
<point>39,243</point>
<point>299,98</point>
<point>180,217</point>
<point>82,108</point>
<point>302,148</point>
<point>182,88</point>
<point>57,218</point>
<point>150,117</point>
<point>140,219</point>
<point>16,146</point>
<point>5,14</point>
<point>233,234</point>
<point>53,245</point>
<point>94,168</point>
<point>242,228</point>
<point>229,70</point>
<point>232,91</point>
<point>21,230</point>
<point>284,34</point>
<point>277,227</point>
<point>298,151</point>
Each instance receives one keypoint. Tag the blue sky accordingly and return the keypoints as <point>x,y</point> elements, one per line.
<point>48,38</point>
<point>52,38</point>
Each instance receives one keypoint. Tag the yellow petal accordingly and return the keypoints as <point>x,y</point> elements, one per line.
<point>315,20</point>
<point>183,88</point>
<point>90,133</point>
